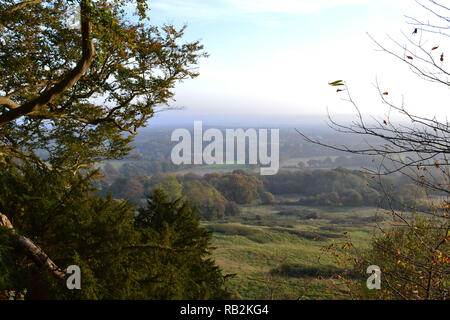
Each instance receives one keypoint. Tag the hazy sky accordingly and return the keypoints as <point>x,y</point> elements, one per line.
<point>276,56</point>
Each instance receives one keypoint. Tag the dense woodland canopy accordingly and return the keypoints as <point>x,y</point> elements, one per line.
<point>217,194</point>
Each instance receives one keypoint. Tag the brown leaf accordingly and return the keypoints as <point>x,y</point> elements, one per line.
<point>442,56</point>
<point>409,57</point>
<point>434,48</point>
<point>386,93</point>
<point>384,121</point>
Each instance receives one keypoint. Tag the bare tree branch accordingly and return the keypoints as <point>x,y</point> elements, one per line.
<point>34,252</point>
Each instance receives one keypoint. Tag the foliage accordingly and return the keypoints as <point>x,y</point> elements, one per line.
<point>413,261</point>
<point>118,256</point>
<point>6,250</point>
<point>412,251</point>
<point>181,267</point>
<point>240,187</point>
<point>69,93</point>
<point>13,295</point>
<point>411,269</point>
<point>210,203</point>
<point>72,95</point>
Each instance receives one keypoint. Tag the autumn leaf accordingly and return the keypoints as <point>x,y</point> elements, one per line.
<point>434,48</point>
<point>339,90</point>
<point>386,93</point>
<point>336,83</point>
<point>384,121</point>
<point>442,57</point>
<point>409,57</point>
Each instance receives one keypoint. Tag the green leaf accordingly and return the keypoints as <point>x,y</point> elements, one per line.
<point>336,83</point>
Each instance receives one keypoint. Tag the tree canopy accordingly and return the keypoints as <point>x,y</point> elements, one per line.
<point>77,93</point>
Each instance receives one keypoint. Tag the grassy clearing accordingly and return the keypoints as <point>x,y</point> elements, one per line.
<point>292,162</point>
<point>205,169</point>
<point>223,166</point>
<point>275,252</point>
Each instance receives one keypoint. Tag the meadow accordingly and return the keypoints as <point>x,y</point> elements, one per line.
<point>276,251</point>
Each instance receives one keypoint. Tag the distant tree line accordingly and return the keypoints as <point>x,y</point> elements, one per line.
<point>343,187</point>
<point>217,195</point>
<point>355,161</point>
<point>142,168</point>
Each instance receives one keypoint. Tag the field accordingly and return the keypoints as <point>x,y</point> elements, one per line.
<point>292,162</point>
<point>275,252</point>
<point>205,169</point>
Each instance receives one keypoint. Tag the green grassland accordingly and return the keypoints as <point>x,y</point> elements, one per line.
<point>212,168</point>
<point>293,162</point>
<point>275,251</point>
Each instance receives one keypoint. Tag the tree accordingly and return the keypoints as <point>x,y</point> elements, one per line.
<point>72,95</point>
<point>208,201</point>
<point>171,186</point>
<point>414,249</point>
<point>74,91</point>
<point>267,197</point>
<point>121,257</point>
<point>133,191</point>
<point>423,274</point>
<point>182,267</point>
<point>130,189</point>
<point>352,197</point>
<point>62,215</point>
<point>232,209</point>
<point>240,188</point>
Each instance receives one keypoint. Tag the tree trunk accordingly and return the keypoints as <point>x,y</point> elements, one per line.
<point>33,251</point>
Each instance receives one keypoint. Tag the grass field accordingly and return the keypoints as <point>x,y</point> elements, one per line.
<point>275,252</point>
<point>293,162</point>
<point>205,169</point>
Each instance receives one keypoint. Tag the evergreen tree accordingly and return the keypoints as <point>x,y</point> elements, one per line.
<point>161,254</point>
<point>182,267</point>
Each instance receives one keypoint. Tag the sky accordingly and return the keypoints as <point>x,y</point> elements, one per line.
<point>276,57</point>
